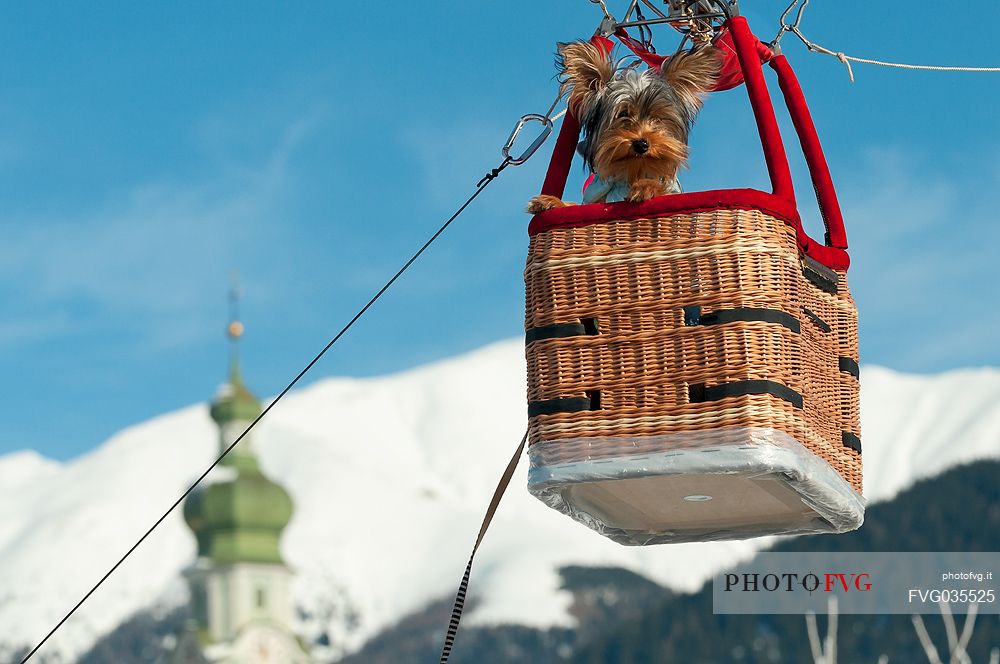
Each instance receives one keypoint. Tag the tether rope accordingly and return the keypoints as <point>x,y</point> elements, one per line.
<point>480,187</point>
<point>848,59</point>
<point>463,587</point>
<point>794,28</point>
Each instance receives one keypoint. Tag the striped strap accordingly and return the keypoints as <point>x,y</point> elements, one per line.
<point>463,587</point>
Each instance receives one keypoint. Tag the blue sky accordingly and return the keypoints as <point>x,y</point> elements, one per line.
<point>148,150</point>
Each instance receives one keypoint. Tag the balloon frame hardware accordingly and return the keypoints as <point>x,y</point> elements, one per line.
<point>686,16</point>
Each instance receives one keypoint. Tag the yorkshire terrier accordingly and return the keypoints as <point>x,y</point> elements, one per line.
<point>635,123</point>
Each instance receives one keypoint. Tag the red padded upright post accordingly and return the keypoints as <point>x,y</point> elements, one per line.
<point>562,157</point>
<point>763,110</point>
<point>819,170</point>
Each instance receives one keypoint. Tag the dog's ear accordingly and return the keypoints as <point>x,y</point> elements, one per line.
<point>693,73</point>
<point>584,70</point>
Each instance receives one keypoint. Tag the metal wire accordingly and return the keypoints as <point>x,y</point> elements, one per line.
<point>645,32</point>
<point>480,188</point>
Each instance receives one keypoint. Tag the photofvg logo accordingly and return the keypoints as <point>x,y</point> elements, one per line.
<point>789,582</point>
<point>863,583</point>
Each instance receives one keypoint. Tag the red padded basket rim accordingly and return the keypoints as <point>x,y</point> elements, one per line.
<point>576,216</point>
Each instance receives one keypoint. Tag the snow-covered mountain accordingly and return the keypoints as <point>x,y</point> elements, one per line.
<point>390,477</point>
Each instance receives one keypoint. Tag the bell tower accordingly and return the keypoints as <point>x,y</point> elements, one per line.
<point>240,585</point>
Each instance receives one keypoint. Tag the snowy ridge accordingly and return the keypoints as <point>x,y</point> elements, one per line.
<point>390,477</point>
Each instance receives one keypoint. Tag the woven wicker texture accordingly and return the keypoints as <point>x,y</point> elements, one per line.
<point>640,370</point>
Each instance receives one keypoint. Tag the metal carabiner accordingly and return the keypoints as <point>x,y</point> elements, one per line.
<point>537,143</point>
<point>785,26</point>
<point>604,8</point>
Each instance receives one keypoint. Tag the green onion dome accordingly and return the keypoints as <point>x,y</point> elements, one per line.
<point>239,518</point>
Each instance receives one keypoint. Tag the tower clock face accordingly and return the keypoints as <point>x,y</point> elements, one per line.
<point>264,644</point>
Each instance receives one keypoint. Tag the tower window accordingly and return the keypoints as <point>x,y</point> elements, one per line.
<point>261,598</point>
<point>199,603</point>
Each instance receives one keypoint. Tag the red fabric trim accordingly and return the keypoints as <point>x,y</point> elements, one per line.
<point>654,60</point>
<point>819,170</point>
<point>832,257</point>
<point>602,43</point>
<point>731,74</point>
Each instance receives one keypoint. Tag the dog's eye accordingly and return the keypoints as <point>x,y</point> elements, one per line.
<point>623,115</point>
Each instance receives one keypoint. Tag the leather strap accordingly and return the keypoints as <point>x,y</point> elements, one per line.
<point>698,393</point>
<point>693,316</point>
<point>463,587</point>
<point>849,366</point>
<point>851,441</point>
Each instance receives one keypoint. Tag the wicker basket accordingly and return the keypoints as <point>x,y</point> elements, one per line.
<point>693,359</point>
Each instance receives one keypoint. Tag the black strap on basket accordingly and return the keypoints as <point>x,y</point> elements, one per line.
<point>463,587</point>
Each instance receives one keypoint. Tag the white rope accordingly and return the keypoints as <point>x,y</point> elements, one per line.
<point>900,65</point>
<point>848,59</point>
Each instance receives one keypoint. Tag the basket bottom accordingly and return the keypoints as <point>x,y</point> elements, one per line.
<point>694,486</point>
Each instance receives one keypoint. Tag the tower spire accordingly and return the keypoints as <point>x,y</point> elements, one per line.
<point>235,406</point>
<point>235,329</point>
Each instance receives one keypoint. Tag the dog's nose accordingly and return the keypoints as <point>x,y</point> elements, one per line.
<point>640,146</point>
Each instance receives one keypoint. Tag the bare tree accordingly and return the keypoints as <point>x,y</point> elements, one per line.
<point>957,642</point>
<point>825,651</point>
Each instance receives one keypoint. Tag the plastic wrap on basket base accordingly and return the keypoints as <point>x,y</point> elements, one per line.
<point>694,486</point>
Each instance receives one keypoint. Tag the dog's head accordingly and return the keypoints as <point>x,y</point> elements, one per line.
<point>636,123</point>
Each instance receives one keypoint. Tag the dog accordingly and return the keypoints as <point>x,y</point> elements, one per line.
<point>635,123</point>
